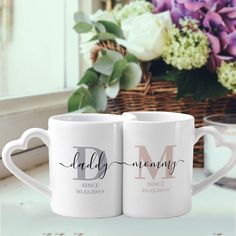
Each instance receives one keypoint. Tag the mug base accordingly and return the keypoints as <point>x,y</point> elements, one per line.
<point>141,216</point>
<point>66,214</point>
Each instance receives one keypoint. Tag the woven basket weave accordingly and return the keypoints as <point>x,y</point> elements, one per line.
<point>161,96</point>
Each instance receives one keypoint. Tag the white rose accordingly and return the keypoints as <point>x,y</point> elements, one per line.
<point>85,45</point>
<point>146,35</point>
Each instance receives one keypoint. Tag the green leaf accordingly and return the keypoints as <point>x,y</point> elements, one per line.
<point>89,78</point>
<point>104,79</point>
<point>113,89</point>
<point>131,58</point>
<point>83,23</point>
<point>80,98</point>
<point>113,55</point>
<point>112,28</point>
<point>82,27</point>
<point>118,70</point>
<point>106,36</point>
<point>87,109</point>
<point>100,98</point>
<point>172,75</point>
<point>199,83</point>
<point>104,52</point>
<point>94,38</point>
<point>81,17</point>
<point>103,36</point>
<point>131,76</point>
<point>100,28</point>
<point>105,63</point>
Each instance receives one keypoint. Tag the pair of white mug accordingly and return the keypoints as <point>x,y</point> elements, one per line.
<point>86,163</point>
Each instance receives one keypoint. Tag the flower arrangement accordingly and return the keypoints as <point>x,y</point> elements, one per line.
<point>189,42</point>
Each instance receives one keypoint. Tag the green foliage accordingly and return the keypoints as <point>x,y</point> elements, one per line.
<point>111,72</point>
<point>200,83</point>
<point>89,78</point>
<point>104,79</point>
<point>103,36</point>
<point>104,30</point>
<point>131,58</point>
<point>118,69</point>
<point>87,109</point>
<point>81,17</point>
<point>112,90</point>
<point>99,95</point>
<point>104,65</point>
<point>131,76</point>
<point>80,98</point>
<point>106,62</point>
<point>100,28</point>
<point>112,28</point>
<point>83,23</point>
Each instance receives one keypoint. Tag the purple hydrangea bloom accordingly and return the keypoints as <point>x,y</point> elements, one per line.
<point>226,4</point>
<point>217,19</point>
<point>211,5</point>
<point>228,7</point>
<point>192,5</point>
<point>197,15</point>
<point>230,24</point>
<point>163,5</point>
<point>177,10</point>
<point>213,22</point>
<point>231,48</point>
<point>216,60</point>
<point>215,30</point>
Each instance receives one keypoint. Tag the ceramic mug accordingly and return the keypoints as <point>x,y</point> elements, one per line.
<point>158,163</point>
<point>84,149</point>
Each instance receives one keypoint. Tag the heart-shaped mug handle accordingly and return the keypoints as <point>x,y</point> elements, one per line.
<point>220,141</point>
<point>22,144</point>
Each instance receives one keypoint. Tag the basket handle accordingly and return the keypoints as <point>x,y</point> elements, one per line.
<point>146,78</point>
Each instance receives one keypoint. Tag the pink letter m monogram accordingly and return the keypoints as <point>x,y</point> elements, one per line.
<point>152,169</point>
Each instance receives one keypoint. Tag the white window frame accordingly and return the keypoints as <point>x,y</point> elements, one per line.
<point>21,113</point>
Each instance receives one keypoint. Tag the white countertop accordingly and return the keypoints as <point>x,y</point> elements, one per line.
<point>27,213</point>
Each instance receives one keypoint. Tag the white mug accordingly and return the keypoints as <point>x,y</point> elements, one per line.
<point>158,163</point>
<point>82,150</point>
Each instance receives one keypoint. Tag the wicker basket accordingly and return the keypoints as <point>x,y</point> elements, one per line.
<point>161,96</point>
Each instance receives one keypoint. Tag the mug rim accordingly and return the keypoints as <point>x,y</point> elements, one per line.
<point>184,117</point>
<point>207,120</point>
<point>87,118</point>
